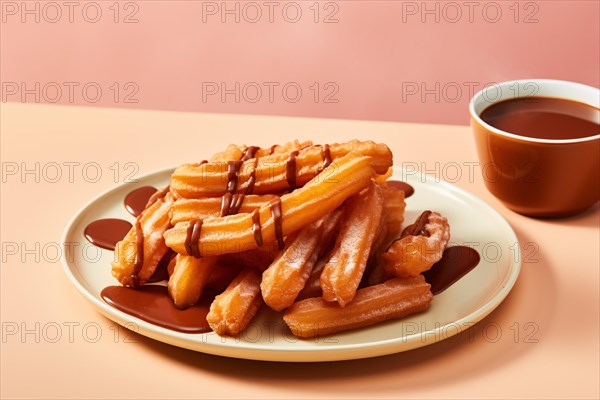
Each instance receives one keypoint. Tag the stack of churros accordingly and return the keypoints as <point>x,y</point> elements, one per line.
<point>311,230</point>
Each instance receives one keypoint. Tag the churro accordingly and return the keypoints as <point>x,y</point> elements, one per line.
<point>422,244</point>
<point>286,277</point>
<point>272,173</point>
<point>393,211</point>
<point>207,207</point>
<point>232,310</point>
<point>188,279</point>
<point>138,254</point>
<point>343,272</point>
<point>395,298</point>
<point>390,229</point>
<point>347,176</point>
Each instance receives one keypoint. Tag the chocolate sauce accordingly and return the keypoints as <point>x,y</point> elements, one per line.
<point>233,169</point>
<point>250,153</point>
<point>136,201</point>
<point>257,228</point>
<point>153,304</point>
<point>106,233</point>
<point>251,181</point>
<point>405,187</point>
<point>272,149</point>
<point>418,228</point>
<point>236,202</point>
<point>192,238</point>
<point>455,263</point>
<point>544,118</point>
<point>230,204</point>
<point>188,238</point>
<point>277,221</point>
<point>326,156</point>
<point>226,204</point>
<point>290,171</point>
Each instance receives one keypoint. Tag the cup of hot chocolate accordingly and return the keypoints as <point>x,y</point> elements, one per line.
<point>538,142</point>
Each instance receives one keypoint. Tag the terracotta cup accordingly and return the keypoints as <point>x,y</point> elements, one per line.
<point>538,177</point>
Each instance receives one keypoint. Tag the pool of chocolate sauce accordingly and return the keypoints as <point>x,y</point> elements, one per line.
<point>153,304</point>
<point>456,262</point>
<point>135,202</point>
<point>106,233</point>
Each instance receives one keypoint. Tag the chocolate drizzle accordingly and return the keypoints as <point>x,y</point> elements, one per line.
<point>233,169</point>
<point>272,149</point>
<point>290,171</point>
<point>250,153</point>
<point>326,156</point>
<point>192,238</point>
<point>139,255</point>
<point>230,204</point>
<point>257,228</point>
<point>236,202</point>
<point>226,204</point>
<point>277,221</point>
<point>418,228</point>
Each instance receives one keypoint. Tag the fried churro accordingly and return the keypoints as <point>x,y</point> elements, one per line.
<point>231,311</point>
<point>343,272</point>
<point>272,173</point>
<point>347,176</point>
<point>138,254</point>
<point>188,279</point>
<point>391,224</point>
<point>286,277</point>
<point>393,299</point>
<point>393,211</point>
<point>213,207</point>
<point>422,244</point>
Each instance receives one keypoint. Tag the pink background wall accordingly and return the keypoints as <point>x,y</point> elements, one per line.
<point>380,60</point>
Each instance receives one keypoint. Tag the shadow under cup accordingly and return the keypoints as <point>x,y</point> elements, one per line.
<point>533,176</point>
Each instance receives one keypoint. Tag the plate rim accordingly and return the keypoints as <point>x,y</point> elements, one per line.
<point>385,346</point>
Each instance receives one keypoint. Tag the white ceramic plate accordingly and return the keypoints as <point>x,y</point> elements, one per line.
<point>463,304</point>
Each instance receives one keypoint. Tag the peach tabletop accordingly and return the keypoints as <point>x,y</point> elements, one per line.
<point>542,342</point>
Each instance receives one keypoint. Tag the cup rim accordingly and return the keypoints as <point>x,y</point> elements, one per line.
<point>477,118</point>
